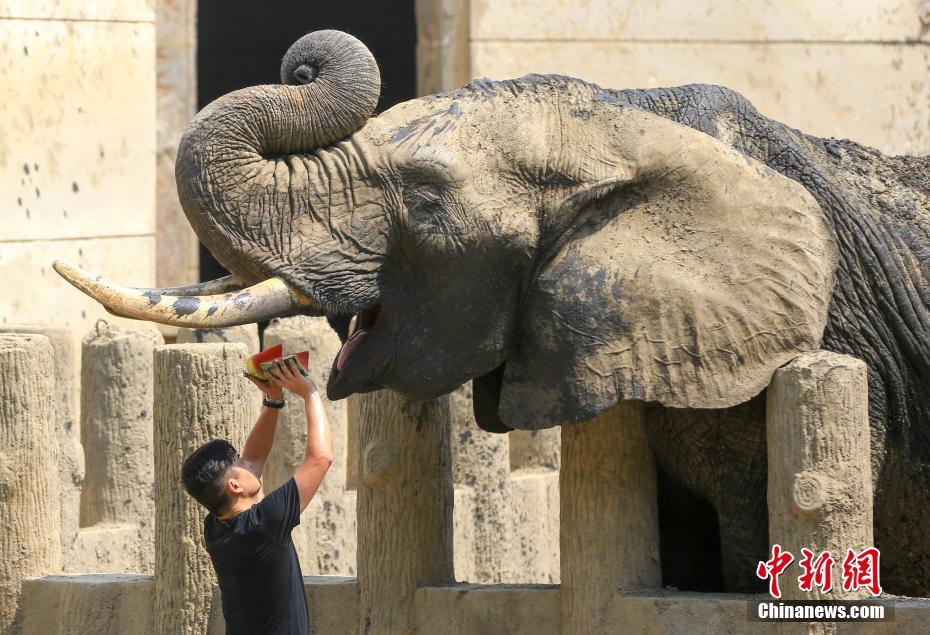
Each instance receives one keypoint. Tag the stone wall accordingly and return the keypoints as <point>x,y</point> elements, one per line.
<point>177,246</point>
<point>77,162</point>
<point>123,604</point>
<point>858,69</point>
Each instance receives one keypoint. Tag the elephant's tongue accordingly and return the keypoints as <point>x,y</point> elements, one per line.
<point>348,347</point>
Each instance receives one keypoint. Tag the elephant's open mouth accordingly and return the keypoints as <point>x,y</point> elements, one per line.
<point>361,357</point>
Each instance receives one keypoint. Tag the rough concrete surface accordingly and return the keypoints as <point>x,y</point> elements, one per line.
<point>609,515</point>
<point>98,604</point>
<point>332,600</point>
<point>481,462</point>
<point>405,501</point>
<point>243,334</point>
<point>116,431</point>
<point>536,526</point>
<point>466,609</point>
<point>200,395</point>
<point>30,542</point>
<point>111,604</point>
<point>819,460</point>
<point>535,449</point>
<point>463,533</point>
<point>70,454</point>
<point>113,548</point>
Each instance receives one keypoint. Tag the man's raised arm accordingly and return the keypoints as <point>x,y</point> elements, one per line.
<point>318,455</point>
<point>258,445</point>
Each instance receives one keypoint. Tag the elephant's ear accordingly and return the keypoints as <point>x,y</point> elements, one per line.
<point>687,283</point>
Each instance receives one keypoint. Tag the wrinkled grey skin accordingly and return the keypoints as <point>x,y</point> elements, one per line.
<point>423,211</point>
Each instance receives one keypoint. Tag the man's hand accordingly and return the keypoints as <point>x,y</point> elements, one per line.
<point>287,375</point>
<point>272,391</point>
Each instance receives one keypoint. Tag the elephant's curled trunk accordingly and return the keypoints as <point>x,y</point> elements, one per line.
<point>231,184</point>
<point>226,172</point>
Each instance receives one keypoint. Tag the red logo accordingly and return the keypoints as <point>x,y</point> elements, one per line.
<point>817,572</point>
<point>860,571</point>
<point>771,569</point>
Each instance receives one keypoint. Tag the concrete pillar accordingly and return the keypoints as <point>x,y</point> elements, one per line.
<point>535,450</point>
<point>609,516</point>
<point>481,462</point>
<point>30,543</point>
<point>325,538</point>
<point>177,253</point>
<point>535,497</point>
<point>353,415</point>
<point>243,334</point>
<point>69,453</point>
<point>443,57</point>
<point>819,467</point>
<point>116,424</point>
<point>404,507</point>
<point>200,394</point>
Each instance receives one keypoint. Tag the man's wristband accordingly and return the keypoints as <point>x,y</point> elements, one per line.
<point>272,403</point>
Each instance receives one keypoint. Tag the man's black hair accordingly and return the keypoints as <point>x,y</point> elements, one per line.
<point>203,471</point>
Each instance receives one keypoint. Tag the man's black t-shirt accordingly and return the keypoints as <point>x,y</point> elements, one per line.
<point>257,567</point>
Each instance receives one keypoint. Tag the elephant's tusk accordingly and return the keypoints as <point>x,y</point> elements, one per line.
<point>263,301</point>
<point>225,284</point>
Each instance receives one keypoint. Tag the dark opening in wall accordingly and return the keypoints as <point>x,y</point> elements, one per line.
<point>240,43</point>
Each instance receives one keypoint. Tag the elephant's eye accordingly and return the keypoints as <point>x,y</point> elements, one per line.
<point>422,199</point>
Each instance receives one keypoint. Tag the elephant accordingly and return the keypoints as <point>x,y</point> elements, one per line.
<point>565,246</point>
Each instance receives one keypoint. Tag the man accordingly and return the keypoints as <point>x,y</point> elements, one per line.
<point>249,540</point>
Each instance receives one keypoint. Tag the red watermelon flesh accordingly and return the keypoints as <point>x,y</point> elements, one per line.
<point>253,364</point>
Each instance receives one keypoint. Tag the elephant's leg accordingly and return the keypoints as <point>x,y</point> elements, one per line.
<point>902,519</point>
<point>716,460</point>
<point>743,517</point>
<point>689,538</point>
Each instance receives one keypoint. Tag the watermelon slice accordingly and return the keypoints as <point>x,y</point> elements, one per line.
<point>253,365</point>
<point>303,362</point>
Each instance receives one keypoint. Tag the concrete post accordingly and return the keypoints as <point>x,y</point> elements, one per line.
<point>353,416</point>
<point>404,507</point>
<point>481,462</point>
<point>177,254</point>
<point>819,467</point>
<point>325,539</point>
<point>243,334</point>
<point>116,424</point>
<point>535,450</point>
<point>200,394</point>
<point>70,454</point>
<point>443,57</point>
<point>30,543</point>
<point>609,516</point>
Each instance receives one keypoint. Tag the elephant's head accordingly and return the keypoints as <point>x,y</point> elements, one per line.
<point>563,251</point>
